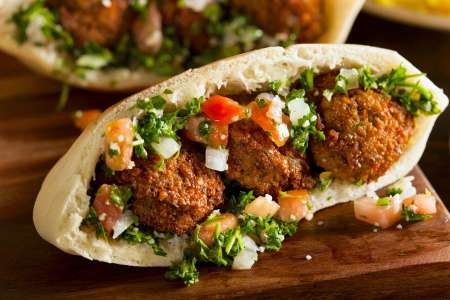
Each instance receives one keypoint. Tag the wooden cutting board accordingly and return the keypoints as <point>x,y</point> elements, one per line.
<point>349,260</point>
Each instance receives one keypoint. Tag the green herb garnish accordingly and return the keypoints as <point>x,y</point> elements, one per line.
<point>393,191</point>
<point>184,270</point>
<point>384,201</point>
<point>306,126</point>
<point>359,182</point>
<point>276,85</point>
<point>204,128</point>
<point>237,203</point>
<point>91,219</point>
<point>410,216</point>
<point>120,195</point>
<point>270,230</point>
<point>307,79</point>
<point>137,235</point>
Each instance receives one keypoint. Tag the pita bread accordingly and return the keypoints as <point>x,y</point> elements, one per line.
<point>62,202</point>
<point>339,17</point>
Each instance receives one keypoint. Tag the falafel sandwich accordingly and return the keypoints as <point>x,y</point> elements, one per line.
<point>221,162</point>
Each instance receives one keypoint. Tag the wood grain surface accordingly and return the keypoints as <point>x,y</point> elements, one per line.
<point>348,260</point>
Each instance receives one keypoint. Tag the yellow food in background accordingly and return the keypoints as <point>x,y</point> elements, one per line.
<point>441,7</point>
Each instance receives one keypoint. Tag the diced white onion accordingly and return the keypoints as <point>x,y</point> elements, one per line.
<point>352,77</point>
<point>328,94</point>
<point>262,206</point>
<point>405,184</point>
<point>216,159</point>
<point>91,61</point>
<point>197,5</point>
<point>298,109</point>
<point>125,221</point>
<point>275,111</point>
<point>167,147</point>
<point>248,256</point>
<point>34,31</point>
<point>283,131</point>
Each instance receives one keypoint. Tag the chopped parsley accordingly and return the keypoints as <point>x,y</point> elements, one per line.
<point>204,128</point>
<point>307,79</point>
<point>393,191</point>
<point>226,246</point>
<point>270,230</point>
<point>156,123</point>
<point>113,150</point>
<point>185,270</point>
<point>384,201</point>
<point>139,6</point>
<point>261,102</point>
<point>276,85</point>
<point>237,203</point>
<point>136,235</point>
<point>410,216</point>
<point>91,219</point>
<point>325,180</point>
<point>300,133</point>
<point>359,182</point>
<point>120,195</point>
<point>412,96</point>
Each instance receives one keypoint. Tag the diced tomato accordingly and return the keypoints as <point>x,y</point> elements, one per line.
<point>83,118</point>
<point>223,110</point>
<point>218,135</point>
<point>278,133</point>
<point>107,212</point>
<point>119,144</point>
<point>293,205</point>
<point>367,210</point>
<point>425,203</point>
<point>224,221</point>
<point>262,206</point>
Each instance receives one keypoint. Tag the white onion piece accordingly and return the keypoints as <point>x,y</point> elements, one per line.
<point>197,5</point>
<point>283,131</point>
<point>262,206</point>
<point>92,61</point>
<point>216,159</point>
<point>275,111</point>
<point>405,184</point>
<point>34,31</point>
<point>247,257</point>
<point>352,77</point>
<point>167,147</point>
<point>125,221</point>
<point>298,109</point>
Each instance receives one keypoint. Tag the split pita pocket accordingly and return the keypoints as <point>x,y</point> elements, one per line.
<point>96,70</point>
<point>273,75</point>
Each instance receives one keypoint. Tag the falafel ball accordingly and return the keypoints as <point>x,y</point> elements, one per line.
<point>303,17</point>
<point>258,164</point>
<point>92,21</point>
<point>190,25</point>
<point>177,197</point>
<point>366,132</point>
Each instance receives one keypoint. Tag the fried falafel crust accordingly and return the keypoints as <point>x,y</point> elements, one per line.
<point>303,17</point>
<point>92,21</point>
<point>177,197</point>
<point>366,132</point>
<point>258,164</point>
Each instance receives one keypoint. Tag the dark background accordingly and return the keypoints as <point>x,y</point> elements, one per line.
<point>429,51</point>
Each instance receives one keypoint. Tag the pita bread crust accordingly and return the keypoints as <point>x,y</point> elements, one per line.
<point>63,202</point>
<point>339,17</point>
